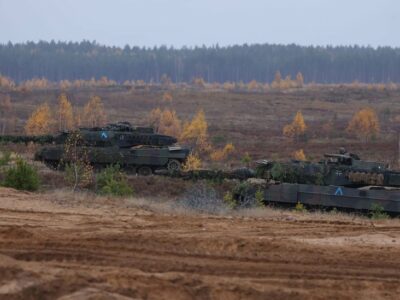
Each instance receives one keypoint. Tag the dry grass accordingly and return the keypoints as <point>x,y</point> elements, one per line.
<point>68,198</point>
<point>253,122</point>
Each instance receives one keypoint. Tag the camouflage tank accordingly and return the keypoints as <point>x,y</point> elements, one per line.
<point>342,169</point>
<point>137,149</point>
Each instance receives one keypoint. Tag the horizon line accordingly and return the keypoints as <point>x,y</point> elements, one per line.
<point>216,45</point>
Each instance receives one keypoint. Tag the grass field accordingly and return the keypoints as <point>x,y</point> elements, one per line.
<point>252,121</point>
<point>156,244</point>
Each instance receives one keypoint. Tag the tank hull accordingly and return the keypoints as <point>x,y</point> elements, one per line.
<point>334,196</point>
<point>153,157</point>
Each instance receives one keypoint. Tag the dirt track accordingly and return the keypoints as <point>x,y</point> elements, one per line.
<point>50,251</point>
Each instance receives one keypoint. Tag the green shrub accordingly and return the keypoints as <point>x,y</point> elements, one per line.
<point>300,207</point>
<point>22,177</point>
<point>277,172</point>
<point>5,158</point>
<point>111,181</point>
<point>246,159</point>
<point>259,198</point>
<point>377,212</point>
<point>228,199</point>
<point>334,211</point>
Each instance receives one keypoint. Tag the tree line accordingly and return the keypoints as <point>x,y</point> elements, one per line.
<point>57,61</point>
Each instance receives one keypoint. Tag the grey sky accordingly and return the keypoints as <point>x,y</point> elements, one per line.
<point>190,22</point>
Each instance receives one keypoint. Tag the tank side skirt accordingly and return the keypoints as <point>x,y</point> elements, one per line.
<point>332,196</point>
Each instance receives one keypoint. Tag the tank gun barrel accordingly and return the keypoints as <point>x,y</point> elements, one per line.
<point>24,139</point>
<point>336,155</point>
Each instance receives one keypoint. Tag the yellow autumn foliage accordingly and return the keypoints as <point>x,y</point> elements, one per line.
<point>197,129</point>
<point>287,83</point>
<point>93,113</point>
<point>222,154</point>
<point>40,122</point>
<point>297,128</point>
<point>154,118</point>
<point>196,132</point>
<point>167,97</point>
<point>6,82</point>
<point>193,162</point>
<point>199,82</point>
<point>299,155</point>
<point>65,113</point>
<point>228,86</point>
<point>299,80</point>
<point>170,123</point>
<point>35,83</point>
<point>165,122</point>
<point>253,85</point>
<point>365,123</point>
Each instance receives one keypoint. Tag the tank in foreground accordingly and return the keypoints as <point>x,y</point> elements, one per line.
<point>136,149</point>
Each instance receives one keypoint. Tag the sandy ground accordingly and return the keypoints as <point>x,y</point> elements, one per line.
<point>50,250</point>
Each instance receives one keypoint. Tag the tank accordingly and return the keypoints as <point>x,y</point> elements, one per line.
<point>135,149</point>
<point>342,169</point>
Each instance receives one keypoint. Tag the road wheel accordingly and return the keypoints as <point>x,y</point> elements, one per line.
<point>51,164</point>
<point>173,166</point>
<point>131,170</point>
<point>145,171</point>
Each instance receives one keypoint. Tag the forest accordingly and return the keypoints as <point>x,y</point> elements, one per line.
<point>58,61</point>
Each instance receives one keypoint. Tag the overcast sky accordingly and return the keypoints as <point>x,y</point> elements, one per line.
<point>190,22</point>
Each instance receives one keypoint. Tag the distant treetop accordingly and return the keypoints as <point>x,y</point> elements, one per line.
<point>57,61</point>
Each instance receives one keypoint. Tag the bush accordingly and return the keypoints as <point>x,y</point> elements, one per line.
<point>113,182</point>
<point>244,195</point>
<point>377,212</point>
<point>260,198</point>
<point>228,199</point>
<point>246,159</point>
<point>22,177</point>
<point>5,158</point>
<point>78,174</point>
<point>300,207</point>
<point>203,197</point>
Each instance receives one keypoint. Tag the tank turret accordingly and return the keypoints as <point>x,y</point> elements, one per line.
<point>121,134</point>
